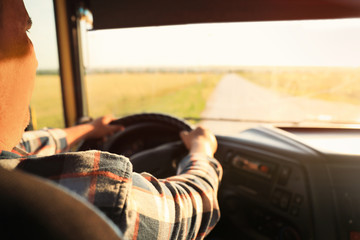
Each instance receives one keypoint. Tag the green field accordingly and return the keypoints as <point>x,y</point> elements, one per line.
<point>174,93</point>
<point>185,94</point>
<point>181,94</point>
<point>47,102</point>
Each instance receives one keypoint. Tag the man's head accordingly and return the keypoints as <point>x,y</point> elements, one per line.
<point>17,71</point>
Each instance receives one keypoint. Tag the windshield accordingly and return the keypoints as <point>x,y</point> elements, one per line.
<point>229,76</point>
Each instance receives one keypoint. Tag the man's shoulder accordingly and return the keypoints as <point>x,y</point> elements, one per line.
<point>88,156</point>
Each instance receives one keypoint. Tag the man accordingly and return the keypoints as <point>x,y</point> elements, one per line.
<point>143,207</point>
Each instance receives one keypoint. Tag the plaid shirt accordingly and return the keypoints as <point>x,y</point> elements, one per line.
<point>180,207</point>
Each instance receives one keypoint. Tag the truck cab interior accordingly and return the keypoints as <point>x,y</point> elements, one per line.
<point>281,181</point>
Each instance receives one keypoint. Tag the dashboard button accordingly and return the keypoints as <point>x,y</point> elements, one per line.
<point>284,175</point>
<point>298,199</point>
<point>276,197</point>
<point>285,201</point>
<point>264,169</point>
<point>294,210</point>
<point>281,199</point>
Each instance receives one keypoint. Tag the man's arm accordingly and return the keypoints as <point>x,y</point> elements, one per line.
<point>50,141</point>
<point>42,142</point>
<point>184,206</point>
<point>96,129</point>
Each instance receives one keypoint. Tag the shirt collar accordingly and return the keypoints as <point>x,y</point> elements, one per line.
<point>8,155</point>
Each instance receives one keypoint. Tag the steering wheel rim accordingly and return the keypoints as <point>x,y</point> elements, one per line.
<point>142,132</point>
<point>153,117</point>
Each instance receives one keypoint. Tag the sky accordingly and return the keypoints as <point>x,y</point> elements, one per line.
<point>295,43</point>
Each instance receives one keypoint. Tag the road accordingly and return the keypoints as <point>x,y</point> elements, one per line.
<point>237,98</point>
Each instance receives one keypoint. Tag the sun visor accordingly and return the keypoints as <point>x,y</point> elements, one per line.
<point>137,13</point>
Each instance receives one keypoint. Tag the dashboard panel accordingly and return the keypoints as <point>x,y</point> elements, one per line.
<point>276,186</point>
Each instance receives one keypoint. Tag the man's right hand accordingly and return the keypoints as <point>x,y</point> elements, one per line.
<point>199,140</point>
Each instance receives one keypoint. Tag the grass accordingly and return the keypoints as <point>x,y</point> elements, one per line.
<point>174,93</point>
<point>47,102</point>
<point>181,94</point>
<point>330,84</point>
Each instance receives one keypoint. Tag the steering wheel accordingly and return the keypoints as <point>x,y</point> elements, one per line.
<point>150,140</point>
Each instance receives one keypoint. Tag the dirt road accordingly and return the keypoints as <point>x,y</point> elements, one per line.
<point>238,98</point>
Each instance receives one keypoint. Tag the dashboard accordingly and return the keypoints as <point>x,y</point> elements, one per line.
<point>276,185</point>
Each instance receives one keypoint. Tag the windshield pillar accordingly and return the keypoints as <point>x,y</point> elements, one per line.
<point>72,69</point>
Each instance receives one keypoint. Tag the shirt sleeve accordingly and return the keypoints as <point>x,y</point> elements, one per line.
<point>184,206</point>
<point>43,142</point>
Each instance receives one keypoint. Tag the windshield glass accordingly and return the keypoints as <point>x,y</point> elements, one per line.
<point>229,76</point>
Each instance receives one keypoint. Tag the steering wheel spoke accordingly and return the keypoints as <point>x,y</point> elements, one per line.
<point>166,157</point>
